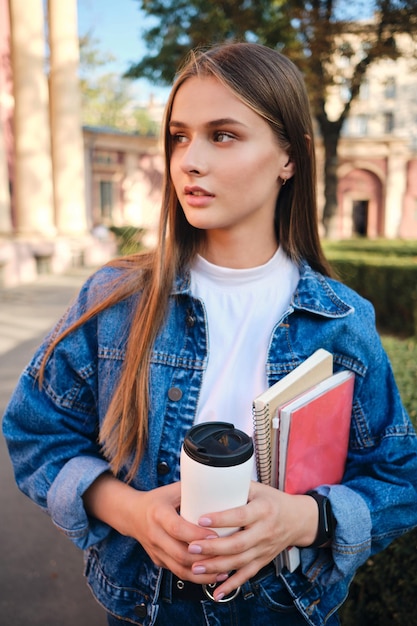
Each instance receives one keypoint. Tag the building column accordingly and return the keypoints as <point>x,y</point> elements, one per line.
<point>67,139</point>
<point>395,188</point>
<point>6,104</point>
<point>33,170</point>
<point>5,208</point>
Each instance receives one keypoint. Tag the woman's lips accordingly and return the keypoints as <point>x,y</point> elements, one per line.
<point>197,196</point>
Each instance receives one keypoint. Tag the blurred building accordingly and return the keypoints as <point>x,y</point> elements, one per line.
<point>62,185</point>
<point>377,156</point>
<point>123,178</point>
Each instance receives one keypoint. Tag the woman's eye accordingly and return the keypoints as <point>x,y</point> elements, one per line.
<point>222,136</point>
<point>178,138</point>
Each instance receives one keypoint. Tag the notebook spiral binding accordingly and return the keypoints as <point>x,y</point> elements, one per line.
<point>262,436</point>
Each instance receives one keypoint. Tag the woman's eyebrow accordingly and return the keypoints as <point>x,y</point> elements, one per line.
<point>223,121</point>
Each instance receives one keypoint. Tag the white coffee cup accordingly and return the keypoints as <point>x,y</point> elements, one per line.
<point>216,471</point>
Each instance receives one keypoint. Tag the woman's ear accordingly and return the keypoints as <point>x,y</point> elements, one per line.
<point>287,171</point>
<point>308,142</point>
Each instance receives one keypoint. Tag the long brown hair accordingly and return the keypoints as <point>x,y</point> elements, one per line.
<point>272,86</point>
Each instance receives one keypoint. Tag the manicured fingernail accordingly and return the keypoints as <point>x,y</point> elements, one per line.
<point>195,549</point>
<point>221,578</point>
<point>205,521</point>
<point>212,537</point>
<point>199,569</point>
<point>219,597</point>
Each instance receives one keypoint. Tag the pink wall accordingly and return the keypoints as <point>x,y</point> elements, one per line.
<point>408,228</point>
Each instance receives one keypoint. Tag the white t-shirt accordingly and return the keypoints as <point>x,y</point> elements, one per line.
<point>242,307</point>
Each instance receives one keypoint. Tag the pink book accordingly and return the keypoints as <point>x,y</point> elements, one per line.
<point>314,435</point>
<point>313,440</point>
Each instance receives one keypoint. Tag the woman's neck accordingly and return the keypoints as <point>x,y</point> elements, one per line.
<point>237,253</point>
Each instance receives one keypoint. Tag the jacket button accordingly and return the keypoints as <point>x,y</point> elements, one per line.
<point>190,320</point>
<point>163,468</point>
<point>140,610</point>
<point>175,394</point>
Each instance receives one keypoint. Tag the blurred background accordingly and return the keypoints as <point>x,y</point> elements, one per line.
<point>82,90</point>
<point>83,86</point>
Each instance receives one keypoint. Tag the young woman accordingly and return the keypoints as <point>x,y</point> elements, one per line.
<point>236,294</point>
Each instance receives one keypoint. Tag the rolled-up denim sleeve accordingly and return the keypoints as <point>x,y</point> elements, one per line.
<point>351,544</point>
<point>52,433</point>
<point>65,501</point>
<point>55,457</point>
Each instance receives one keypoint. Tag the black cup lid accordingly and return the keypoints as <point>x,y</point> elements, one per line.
<point>218,444</point>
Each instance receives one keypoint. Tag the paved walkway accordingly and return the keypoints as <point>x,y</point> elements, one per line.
<point>41,581</point>
<point>28,311</point>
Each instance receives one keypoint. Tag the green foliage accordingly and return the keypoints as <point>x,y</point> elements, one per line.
<point>143,123</point>
<point>91,57</point>
<point>383,247</point>
<point>104,102</point>
<point>403,356</point>
<point>107,99</point>
<point>308,32</point>
<point>384,272</point>
<point>179,25</point>
<point>383,591</point>
<point>129,239</point>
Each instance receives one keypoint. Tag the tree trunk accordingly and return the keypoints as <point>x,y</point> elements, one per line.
<point>331,135</point>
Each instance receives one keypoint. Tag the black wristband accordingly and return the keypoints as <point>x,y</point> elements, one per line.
<point>326,520</point>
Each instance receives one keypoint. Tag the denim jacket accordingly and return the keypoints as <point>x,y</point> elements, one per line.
<point>52,435</point>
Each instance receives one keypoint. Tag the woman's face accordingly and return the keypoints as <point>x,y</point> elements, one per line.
<point>225,163</point>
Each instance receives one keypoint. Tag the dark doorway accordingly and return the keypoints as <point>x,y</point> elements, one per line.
<point>360,217</point>
<point>106,199</point>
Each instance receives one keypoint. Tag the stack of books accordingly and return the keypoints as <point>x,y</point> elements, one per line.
<point>301,431</point>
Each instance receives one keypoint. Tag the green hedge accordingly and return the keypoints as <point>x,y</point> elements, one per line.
<point>129,239</point>
<point>385,273</point>
<point>384,589</point>
<point>382,247</point>
<point>383,592</point>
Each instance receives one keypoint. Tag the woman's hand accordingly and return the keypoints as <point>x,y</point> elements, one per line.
<point>165,536</point>
<point>151,517</point>
<point>270,522</point>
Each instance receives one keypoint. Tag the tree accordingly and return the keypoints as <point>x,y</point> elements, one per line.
<point>107,99</point>
<point>333,32</point>
<point>317,35</point>
<point>179,25</point>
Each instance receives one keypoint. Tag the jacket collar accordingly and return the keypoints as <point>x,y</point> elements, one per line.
<point>314,293</point>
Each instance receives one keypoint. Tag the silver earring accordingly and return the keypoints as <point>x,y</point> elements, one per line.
<point>284,180</point>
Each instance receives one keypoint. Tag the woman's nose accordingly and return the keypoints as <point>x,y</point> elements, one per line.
<point>194,158</point>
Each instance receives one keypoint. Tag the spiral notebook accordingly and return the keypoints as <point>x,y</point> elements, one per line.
<point>310,372</point>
